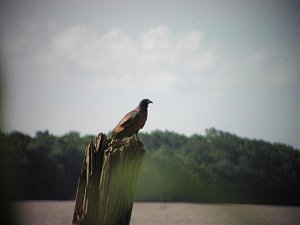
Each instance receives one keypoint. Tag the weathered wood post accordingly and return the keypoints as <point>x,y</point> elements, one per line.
<point>106,185</point>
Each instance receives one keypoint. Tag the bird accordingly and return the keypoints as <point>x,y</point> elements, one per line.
<point>133,121</point>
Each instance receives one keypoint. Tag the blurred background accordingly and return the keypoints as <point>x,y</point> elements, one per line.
<point>81,65</point>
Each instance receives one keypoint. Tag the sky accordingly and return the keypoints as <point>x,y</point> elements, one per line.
<point>81,65</point>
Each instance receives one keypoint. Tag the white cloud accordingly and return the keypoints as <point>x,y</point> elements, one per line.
<point>155,59</point>
<point>190,41</point>
<point>156,39</point>
<point>90,51</point>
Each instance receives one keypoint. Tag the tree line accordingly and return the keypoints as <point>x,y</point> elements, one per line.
<point>215,167</point>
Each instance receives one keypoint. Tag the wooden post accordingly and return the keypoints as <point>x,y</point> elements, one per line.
<point>107,181</point>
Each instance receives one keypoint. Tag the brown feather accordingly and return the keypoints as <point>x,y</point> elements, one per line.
<point>132,122</point>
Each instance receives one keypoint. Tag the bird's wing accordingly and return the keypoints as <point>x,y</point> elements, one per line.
<point>129,119</point>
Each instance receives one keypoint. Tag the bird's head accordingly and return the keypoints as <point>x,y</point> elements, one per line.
<point>145,102</point>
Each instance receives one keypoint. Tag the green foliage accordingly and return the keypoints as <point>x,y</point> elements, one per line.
<point>215,167</point>
<point>44,166</point>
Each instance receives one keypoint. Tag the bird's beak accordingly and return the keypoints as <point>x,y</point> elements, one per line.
<point>150,102</point>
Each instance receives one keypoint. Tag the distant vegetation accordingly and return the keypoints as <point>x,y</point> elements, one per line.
<point>215,167</point>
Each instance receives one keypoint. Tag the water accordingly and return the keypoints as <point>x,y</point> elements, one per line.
<point>61,212</point>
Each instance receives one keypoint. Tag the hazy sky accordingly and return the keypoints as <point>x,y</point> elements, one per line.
<point>81,65</point>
